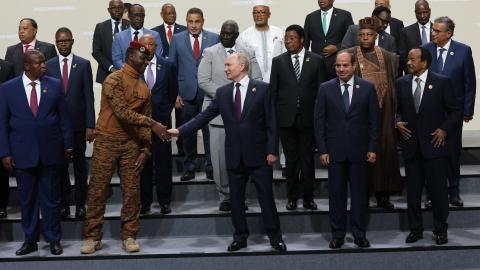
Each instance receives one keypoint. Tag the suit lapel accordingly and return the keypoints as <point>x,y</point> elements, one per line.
<point>338,95</point>
<point>248,99</point>
<point>427,92</point>
<point>22,98</point>
<point>188,44</point>
<point>73,73</point>
<point>408,86</point>
<point>288,60</point>
<point>44,94</point>
<point>450,57</point>
<point>356,88</point>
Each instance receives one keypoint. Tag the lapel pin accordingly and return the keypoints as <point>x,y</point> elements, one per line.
<point>158,67</point>
<point>335,14</point>
<point>44,90</point>
<point>430,87</point>
<point>452,53</point>
<point>74,66</point>
<point>357,86</point>
<point>307,60</point>
<point>254,89</point>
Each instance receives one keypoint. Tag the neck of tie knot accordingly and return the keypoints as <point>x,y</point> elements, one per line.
<point>230,51</point>
<point>441,50</point>
<point>346,85</point>
<point>65,60</point>
<point>169,26</point>
<point>33,84</point>
<point>195,36</point>
<point>237,85</point>
<point>418,80</point>
<point>296,56</point>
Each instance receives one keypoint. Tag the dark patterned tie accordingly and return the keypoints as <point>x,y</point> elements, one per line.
<point>440,60</point>
<point>417,95</point>
<point>34,99</point>
<point>296,67</point>
<point>238,101</point>
<point>346,97</point>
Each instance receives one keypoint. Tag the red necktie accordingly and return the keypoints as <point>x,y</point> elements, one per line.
<point>135,38</point>
<point>25,49</point>
<point>169,33</point>
<point>33,100</point>
<point>238,101</point>
<point>65,74</point>
<point>196,47</point>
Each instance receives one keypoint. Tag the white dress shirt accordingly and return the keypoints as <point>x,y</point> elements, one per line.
<point>192,40</point>
<point>445,53</point>
<point>350,89</point>
<point>69,63</point>
<point>423,80</point>
<point>119,25</point>
<point>228,49</point>
<point>427,30</point>
<point>329,17</point>
<point>301,56</point>
<point>28,88</point>
<point>243,89</point>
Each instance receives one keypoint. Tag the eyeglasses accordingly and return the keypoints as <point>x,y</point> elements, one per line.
<point>263,12</point>
<point>438,31</point>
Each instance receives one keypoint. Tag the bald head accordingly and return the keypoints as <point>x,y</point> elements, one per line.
<point>168,14</point>
<point>422,11</point>
<point>422,3</point>
<point>148,40</point>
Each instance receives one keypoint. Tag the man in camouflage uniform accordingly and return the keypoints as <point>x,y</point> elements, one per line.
<point>122,138</point>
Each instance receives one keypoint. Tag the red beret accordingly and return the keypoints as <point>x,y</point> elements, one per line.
<point>139,46</point>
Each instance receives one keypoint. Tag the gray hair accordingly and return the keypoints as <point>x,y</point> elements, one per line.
<point>450,25</point>
<point>231,22</point>
<point>243,60</point>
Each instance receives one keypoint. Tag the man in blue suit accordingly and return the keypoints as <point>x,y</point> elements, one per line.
<point>134,32</point>
<point>35,137</point>
<point>76,75</point>
<point>251,142</point>
<point>427,113</point>
<point>162,82</point>
<point>454,60</point>
<point>347,122</point>
<point>186,53</point>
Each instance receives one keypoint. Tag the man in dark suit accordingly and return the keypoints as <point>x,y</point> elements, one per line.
<point>161,80</point>
<point>169,27</point>
<point>245,106</point>
<point>6,73</point>
<point>27,32</point>
<point>395,25</point>
<point>454,60</point>
<point>186,52</point>
<point>427,113</point>
<point>35,137</point>
<point>325,29</point>
<point>346,131</point>
<point>416,34</point>
<point>167,30</point>
<point>103,38</point>
<point>295,78</point>
<point>76,75</point>
<point>381,18</point>
<point>122,40</point>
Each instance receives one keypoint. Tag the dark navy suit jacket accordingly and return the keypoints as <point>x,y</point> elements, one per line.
<point>460,69</point>
<point>79,96</point>
<point>254,136</point>
<point>14,54</point>
<point>30,139</point>
<point>438,109</point>
<point>163,36</point>
<point>347,136</point>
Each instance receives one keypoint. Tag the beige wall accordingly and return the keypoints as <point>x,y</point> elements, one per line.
<point>81,17</point>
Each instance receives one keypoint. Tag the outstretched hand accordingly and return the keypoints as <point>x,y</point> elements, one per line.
<point>161,131</point>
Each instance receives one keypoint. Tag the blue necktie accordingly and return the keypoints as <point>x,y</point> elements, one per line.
<point>346,97</point>
<point>440,60</point>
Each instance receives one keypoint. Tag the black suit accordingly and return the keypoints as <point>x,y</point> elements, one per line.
<point>14,54</point>
<point>396,27</point>
<point>248,141</point>
<point>339,23</point>
<point>385,40</point>
<point>347,136</point>
<point>163,36</point>
<point>6,73</point>
<point>295,101</point>
<point>102,47</point>
<point>410,37</point>
<point>159,166</point>
<point>81,109</point>
<point>438,109</point>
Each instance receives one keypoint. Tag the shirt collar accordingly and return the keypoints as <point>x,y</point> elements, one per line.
<point>350,82</point>
<point>32,44</point>
<point>329,11</point>
<point>69,57</point>
<point>244,81</point>
<point>140,31</point>
<point>301,53</point>
<point>27,81</point>
<point>199,34</point>
<point>154,60</point>
<point>427,25</point>
<point>113,21</point>
<point>166,25</point>
<point>422,77</point>
<point>446,47</point>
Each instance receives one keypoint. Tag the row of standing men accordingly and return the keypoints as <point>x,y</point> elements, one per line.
<point>295,129</point>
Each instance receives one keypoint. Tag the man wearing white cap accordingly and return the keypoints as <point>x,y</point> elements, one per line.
<point>266,40</point>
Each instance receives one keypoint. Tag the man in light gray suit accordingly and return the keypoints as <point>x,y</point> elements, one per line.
<point>211,76</point>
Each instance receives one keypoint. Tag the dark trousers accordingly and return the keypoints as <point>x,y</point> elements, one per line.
<point>298,147</point>
<point>80,172</point>
<point>338,175</point>
<point>157,171</point>
<point>262,177</point>
<point>4,187</point>
<point>190,109</point>
<point>454,139</point>
<point>433,171</point>
<point>38,191</point>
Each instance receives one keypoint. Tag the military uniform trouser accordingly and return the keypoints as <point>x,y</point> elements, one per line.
<point>109,153</point>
